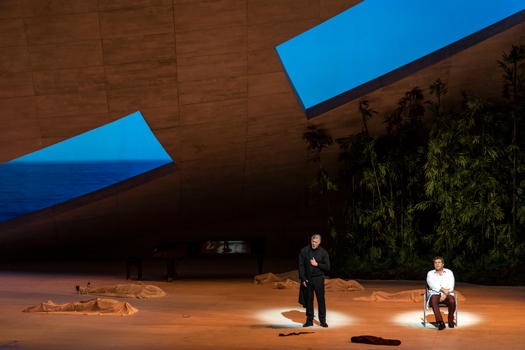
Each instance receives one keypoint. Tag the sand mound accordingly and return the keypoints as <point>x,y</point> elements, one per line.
<point>413,295</point>
<point>340,285</point>
<point>288,284</point>
<point>267,278</point>
<point>290,275</point>
<point>331,285</point>
<point>290,280</point>
<point>141,291</point>
<point>98,306</point>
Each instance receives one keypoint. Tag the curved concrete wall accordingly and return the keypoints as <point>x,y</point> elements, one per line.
<point>205,75</point>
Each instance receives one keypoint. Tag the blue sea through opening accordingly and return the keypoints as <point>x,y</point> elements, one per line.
<point>78,166</point>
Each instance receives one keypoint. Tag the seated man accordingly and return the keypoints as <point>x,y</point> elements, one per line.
<point>440,282</point>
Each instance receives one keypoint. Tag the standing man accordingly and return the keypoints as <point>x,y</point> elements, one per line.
<point>313,263</point>
<point>440,282</point>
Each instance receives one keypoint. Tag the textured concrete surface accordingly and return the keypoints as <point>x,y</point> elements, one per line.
<point>207,79</point>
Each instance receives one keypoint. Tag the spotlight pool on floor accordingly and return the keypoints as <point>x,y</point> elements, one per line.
<point>415,319</point>
<point>292,317</point>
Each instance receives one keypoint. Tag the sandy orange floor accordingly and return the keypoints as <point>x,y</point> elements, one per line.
<point>236,314</point>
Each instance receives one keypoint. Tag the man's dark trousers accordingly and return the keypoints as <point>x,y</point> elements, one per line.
<point>315,284</point>
<point>450,301</point>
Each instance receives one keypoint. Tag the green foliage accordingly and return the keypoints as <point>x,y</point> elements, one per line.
<point>317,139</point>
<point>453,185</point>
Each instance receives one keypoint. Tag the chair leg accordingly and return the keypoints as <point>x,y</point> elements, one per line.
<point>425,310</point>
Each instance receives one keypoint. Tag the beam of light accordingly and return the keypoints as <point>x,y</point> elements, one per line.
<point>275,318</point>
<point>377,42</point>
<point>415,319</point>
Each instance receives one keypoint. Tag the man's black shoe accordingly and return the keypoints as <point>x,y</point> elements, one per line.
<point>441,326</point>
<point>324,324</point>
<point>308,324</point>
<point>451,325</point>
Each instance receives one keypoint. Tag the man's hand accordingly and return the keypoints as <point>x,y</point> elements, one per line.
<point>305,283</point>
<point>313,262</point>
<point>443,295</point>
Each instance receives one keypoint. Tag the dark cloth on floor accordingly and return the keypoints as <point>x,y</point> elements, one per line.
<point>370,339</point>
<point>293,333</point>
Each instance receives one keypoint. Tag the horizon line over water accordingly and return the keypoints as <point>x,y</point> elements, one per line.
<point>83,164</point>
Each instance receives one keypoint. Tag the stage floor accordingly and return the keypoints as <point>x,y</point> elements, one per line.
<point>236,314</point>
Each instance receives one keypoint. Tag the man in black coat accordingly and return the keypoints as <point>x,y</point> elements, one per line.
<point>313,263</point>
